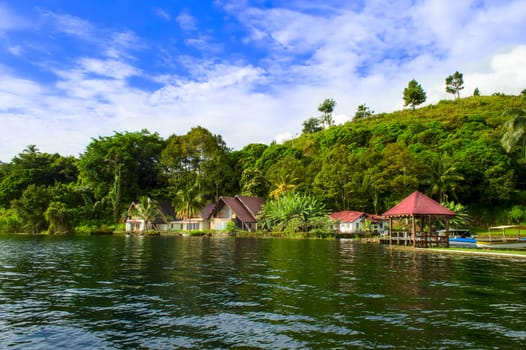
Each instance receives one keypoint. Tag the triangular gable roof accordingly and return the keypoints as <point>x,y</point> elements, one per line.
<point>252,204</point>
<point>245,208</point>
<point>418,203</point>
<point>207,211</point>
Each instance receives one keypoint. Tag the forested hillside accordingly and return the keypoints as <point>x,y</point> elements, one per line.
<point>455,151</point>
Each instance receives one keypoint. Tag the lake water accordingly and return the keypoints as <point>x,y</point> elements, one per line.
<point>208,293</point>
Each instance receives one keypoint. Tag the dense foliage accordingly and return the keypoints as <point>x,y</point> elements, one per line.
<point>470,151</point>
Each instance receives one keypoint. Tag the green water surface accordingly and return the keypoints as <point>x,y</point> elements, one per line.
<point>225,293</point>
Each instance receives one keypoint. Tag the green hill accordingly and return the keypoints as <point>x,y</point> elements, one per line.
<point>451,151</point>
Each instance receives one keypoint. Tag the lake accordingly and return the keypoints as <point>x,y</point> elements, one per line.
<point>117,292</point>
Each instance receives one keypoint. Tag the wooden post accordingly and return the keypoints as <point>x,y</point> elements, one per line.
<point>447,231</point>
<point>413,228</point>
<point>431,238</point>
<point>390,231</point>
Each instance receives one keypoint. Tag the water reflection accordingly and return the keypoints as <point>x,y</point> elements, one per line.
<point>166,292</point>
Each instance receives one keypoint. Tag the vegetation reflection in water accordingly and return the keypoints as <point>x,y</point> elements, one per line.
<point>166,292</point>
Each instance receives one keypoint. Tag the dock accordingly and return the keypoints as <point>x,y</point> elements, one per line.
<point>420,240</point>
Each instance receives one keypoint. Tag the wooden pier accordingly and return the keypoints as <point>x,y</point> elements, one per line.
<point>422,214</point>
<point>423,239</point>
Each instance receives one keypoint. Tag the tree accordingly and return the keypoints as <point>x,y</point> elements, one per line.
<point>516,214</point>
<point>198,158</point>
<point>444,177</point>
<point>327,107</point>
<point>253,183</point>
<point>57,216</point>
<point>147,209</point>
<point>462,216</point>
<point>414,94</point>
<point>311,125</point>
<point>515,133</point>
<point>34,167</point>
<point>292,212</point>
<point>363,112</point>
<point>454,83</point>
<point>121,168</point>
<point>331,182</point>
<point>476,92</point>
<point>31,207</point>
<point>282,184</point>
<point>188,202</point>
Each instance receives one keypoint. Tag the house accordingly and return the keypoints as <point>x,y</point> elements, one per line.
<point>352,221</point>
<point>200,222</point>
<point>241,210</point>
<point>135,222</point>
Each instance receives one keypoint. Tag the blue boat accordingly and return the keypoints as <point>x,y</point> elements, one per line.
<point>460,238</point>
<point>467,242</point>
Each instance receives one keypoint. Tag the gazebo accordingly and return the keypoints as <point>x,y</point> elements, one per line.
<point>420,209</point>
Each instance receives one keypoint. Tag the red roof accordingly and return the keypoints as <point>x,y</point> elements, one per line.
<point>347,215</point>
<point>353,215</point>
<point>418,204</point>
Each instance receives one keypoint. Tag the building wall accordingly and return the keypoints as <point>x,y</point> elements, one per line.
<point>135,225</point>
<point>219,223</point>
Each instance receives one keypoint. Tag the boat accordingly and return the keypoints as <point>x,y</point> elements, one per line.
<point>463,242</point>
<point>503,241</point>
<point>460,238</point>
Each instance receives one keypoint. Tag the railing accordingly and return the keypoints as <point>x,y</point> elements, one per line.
<point>423,239</point>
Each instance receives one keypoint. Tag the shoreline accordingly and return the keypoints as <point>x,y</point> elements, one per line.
<point>491,253</point>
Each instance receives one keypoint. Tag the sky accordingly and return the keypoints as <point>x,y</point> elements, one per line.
<point>251,71</point>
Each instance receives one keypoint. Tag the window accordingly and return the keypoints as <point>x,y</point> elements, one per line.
<point>192,226</point>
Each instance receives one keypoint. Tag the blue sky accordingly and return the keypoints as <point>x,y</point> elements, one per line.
<point>249,70</point>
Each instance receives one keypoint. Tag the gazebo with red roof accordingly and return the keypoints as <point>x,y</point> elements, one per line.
<point>419,206</point>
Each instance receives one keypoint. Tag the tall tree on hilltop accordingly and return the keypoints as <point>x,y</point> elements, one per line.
<point>311,125</point>
<point>455,83</point>
<point>414,94</point>
<point>363,112</point>
<point>327,107</point>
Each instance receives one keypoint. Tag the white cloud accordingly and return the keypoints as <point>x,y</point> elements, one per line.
<point>15,50</point>
<point>307,52</point>
<point>70,25</point>
<point>186,21</point>
<point>162,14</point>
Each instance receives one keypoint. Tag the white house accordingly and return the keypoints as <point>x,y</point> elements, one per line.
<point>352,221</point>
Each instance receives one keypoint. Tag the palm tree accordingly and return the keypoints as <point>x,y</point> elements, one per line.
<point>445,177</point>
<point>515,133</point>
<point>282,184</point>
<point>189,202</point>
<point>147,210</point>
